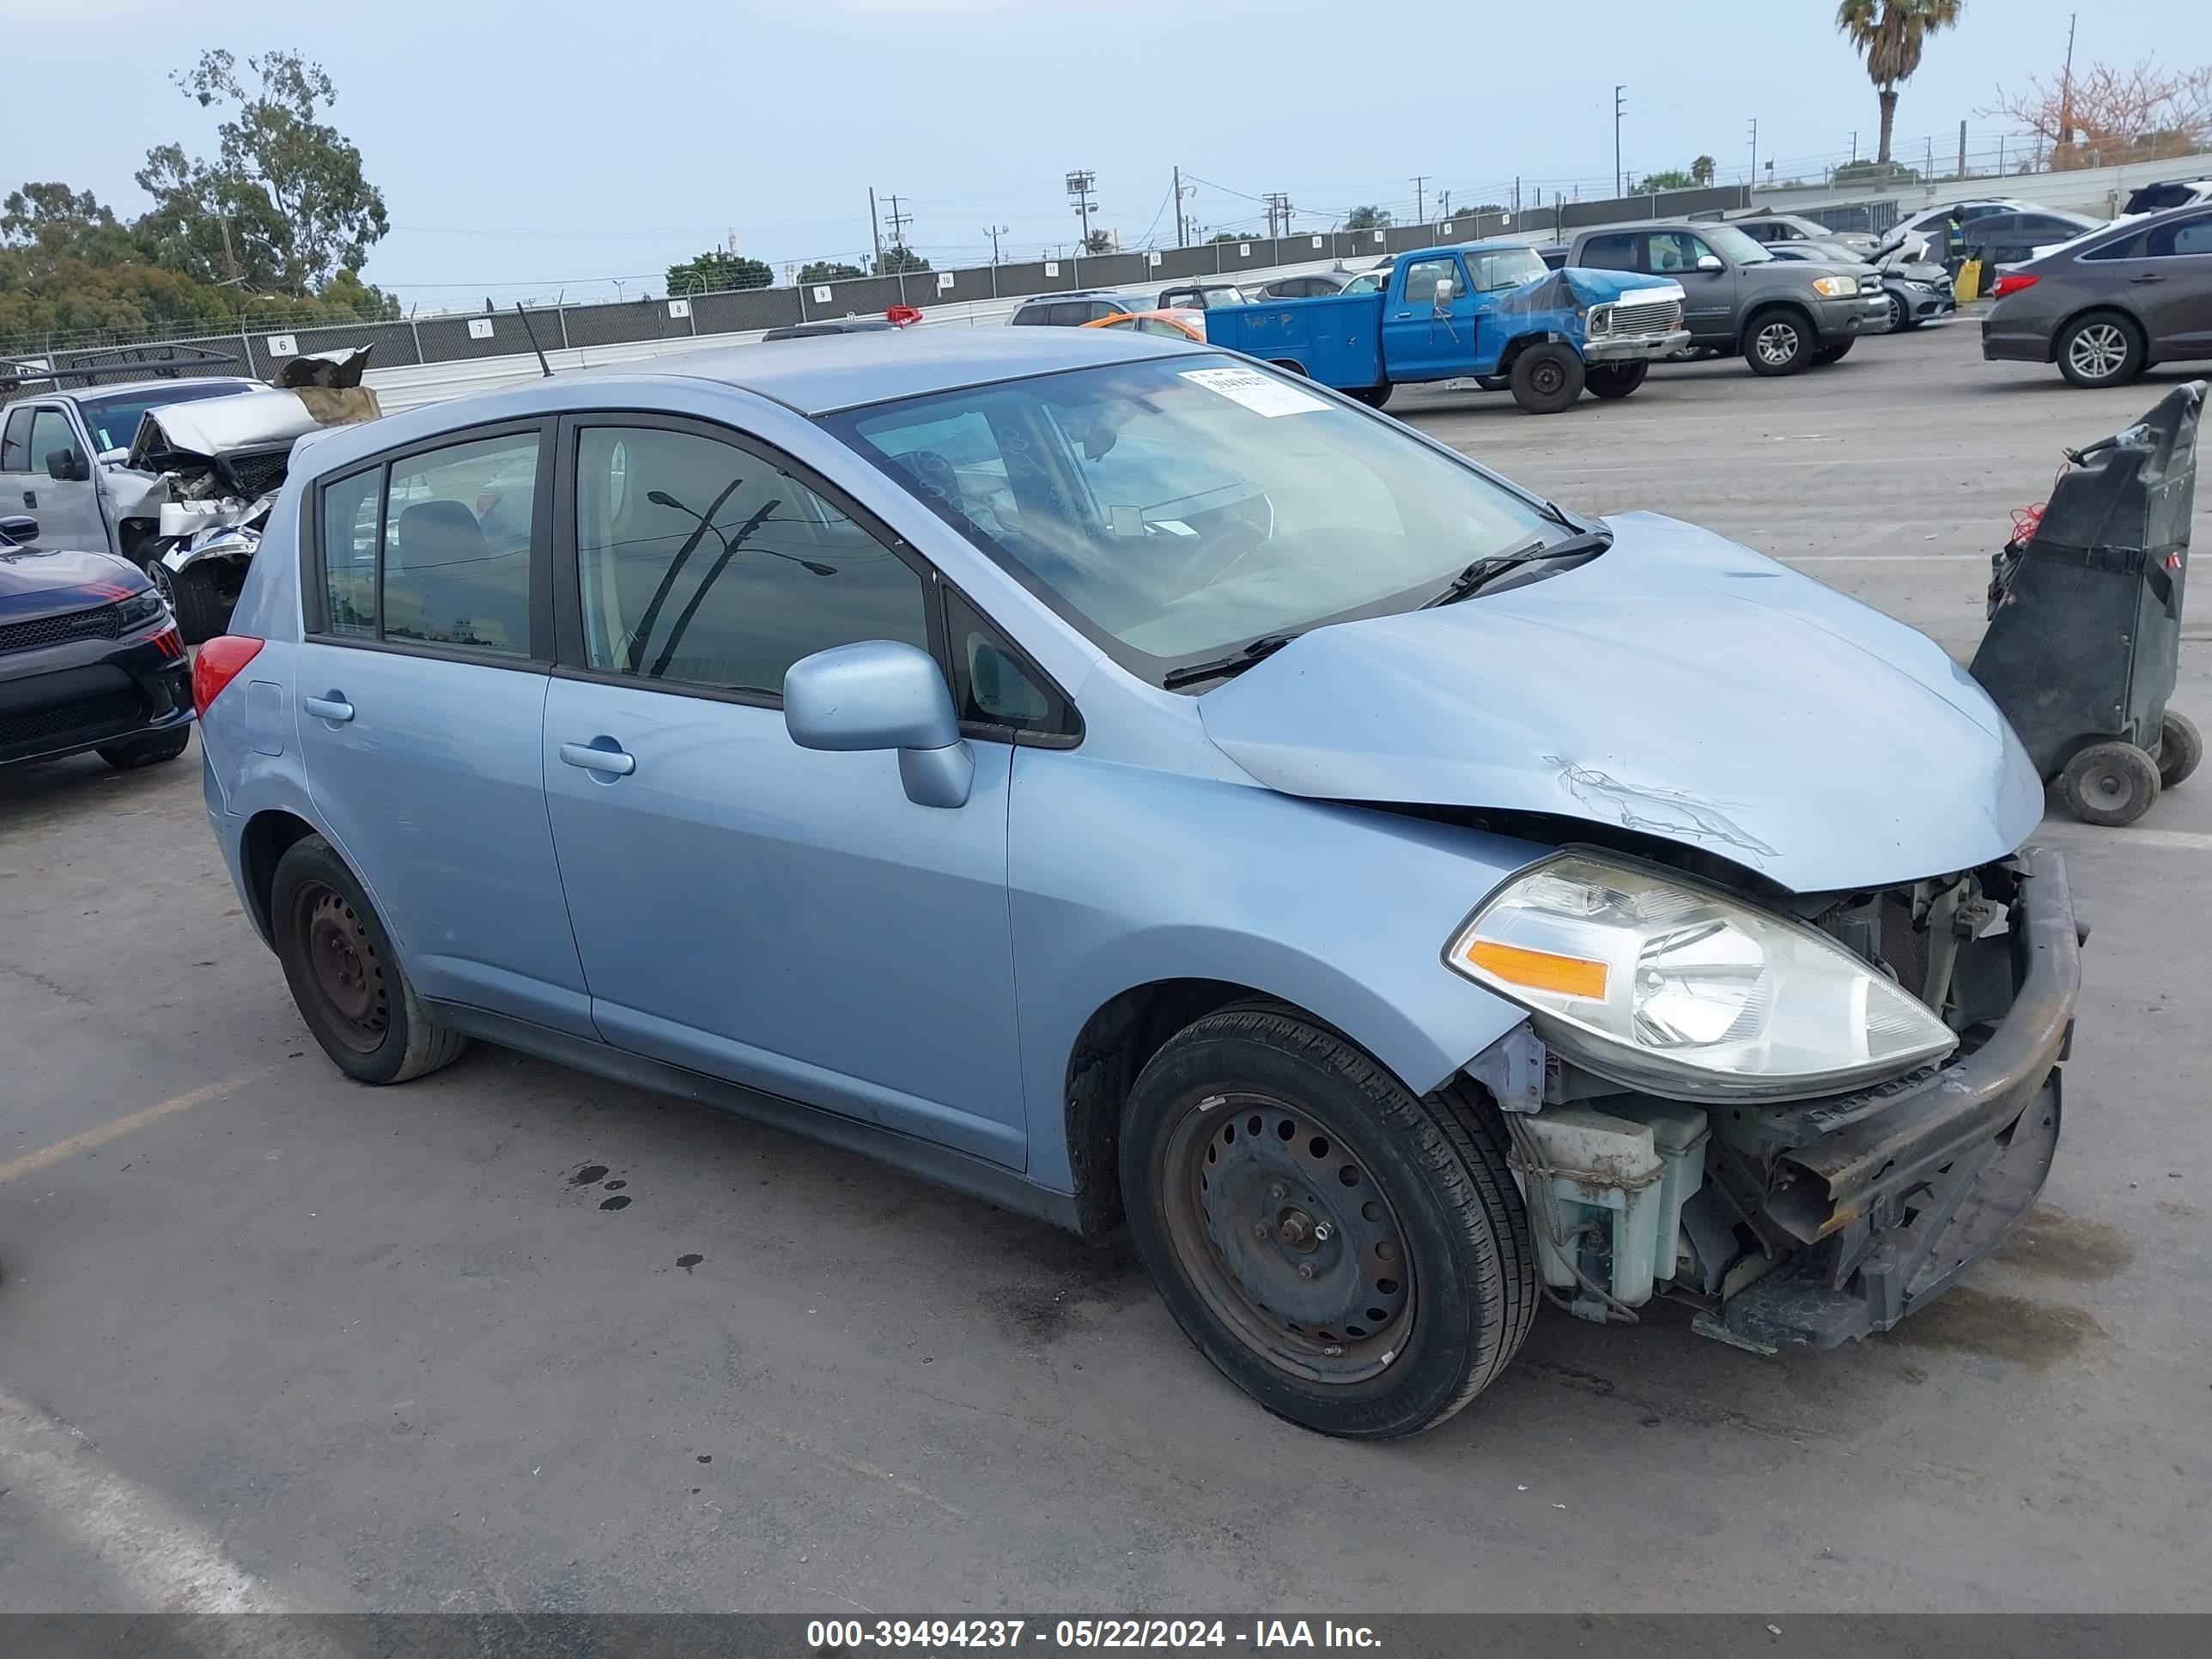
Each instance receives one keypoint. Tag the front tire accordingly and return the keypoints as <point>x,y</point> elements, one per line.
<point>147,751</point>
<point>1547,379</point>
<point>195,597</point>
<point>1354,1257</point>
<point>1898,320</point>
<point>345,977</point>
<point>1616,379</point>
<point>1778,342</point>
<point>1373,396</point>
<point>2110,784</point>
<point>2102,349</point>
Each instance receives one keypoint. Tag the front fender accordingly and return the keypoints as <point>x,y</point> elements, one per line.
<point>1122,877</point>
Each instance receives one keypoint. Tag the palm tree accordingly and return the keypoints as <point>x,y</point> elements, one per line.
<point>1889,35</point>
<point>1701,170</point>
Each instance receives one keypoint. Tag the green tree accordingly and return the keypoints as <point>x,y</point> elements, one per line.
<point>1889,35</point>
<point>1100,242</point>
<point>714,271</point>
<point>1701,170</point>
<point>1672,179</point>
<point>899,257</point>
<point>1367,218</point>
<point>1228,236</point>
<point>284,205</point>
<point>828,271</point>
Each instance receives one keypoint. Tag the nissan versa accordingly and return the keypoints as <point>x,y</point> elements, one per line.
<point>1120,780</point>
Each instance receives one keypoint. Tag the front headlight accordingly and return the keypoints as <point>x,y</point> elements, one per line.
<point>1835,288</point>
<point>1600,320</point>
<point>141,608</point>
<point>1667,984</point>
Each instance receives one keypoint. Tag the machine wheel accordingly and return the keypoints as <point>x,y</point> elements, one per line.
<point>2180,746</point>
<point>1616,379</point>
<point>1833,354</point>
<point>2102,349</point>
<point>1373,396</point>
<point>2110,784</point>
<point>147,751</point>
<point>1547,379</point>
<point>1778,342</point>
<point>1353,1256</point>
<point>344,974</point>
<point>195,595</point>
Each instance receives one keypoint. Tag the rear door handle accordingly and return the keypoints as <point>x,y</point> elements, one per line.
<point>333,707</point>
<point>594,759</point>
<point>30,498</point>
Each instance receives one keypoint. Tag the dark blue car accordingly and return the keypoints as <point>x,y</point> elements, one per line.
<point>90,658</point>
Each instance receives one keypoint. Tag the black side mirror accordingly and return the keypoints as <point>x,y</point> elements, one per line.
<point>67,466</point>
<point>21,529</point>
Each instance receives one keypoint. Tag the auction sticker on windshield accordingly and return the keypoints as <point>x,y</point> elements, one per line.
<point>1256,392</point>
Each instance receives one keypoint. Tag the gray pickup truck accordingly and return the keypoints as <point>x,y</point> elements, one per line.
<point>1782,315</point>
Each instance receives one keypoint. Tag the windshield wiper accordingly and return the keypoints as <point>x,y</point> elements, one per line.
<point>1220,668</point>
<point>1486,570</point>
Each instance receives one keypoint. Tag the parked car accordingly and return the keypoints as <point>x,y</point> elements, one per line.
<point>1783,315</point>
<point>1314,285</point>
<point>1168,324</point>
<point>830,325</point>
<point>90,658</point>
<point>1202,297</point>
<point>837,661</point>
<point>1554,257</point>
<point>1072,310</point>
<point>1933,224</point>
<point>2107,307</point>
<point>1485,311</point>
<point>1999,239</point>
<point>1919,292</point>
<point>1771,230</point>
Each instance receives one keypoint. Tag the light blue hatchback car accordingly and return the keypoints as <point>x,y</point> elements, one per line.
<point>1121,781</point>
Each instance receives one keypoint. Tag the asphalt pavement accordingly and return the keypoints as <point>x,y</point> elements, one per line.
<point>511,1337</point>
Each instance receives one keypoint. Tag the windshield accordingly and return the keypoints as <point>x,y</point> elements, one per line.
<point>113,422</point>
<point>1739,247</point>
<point>1506,267</point>
<point>1173,509</point>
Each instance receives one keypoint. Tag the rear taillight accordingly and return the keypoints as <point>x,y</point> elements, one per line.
<point>2011,282</point>
<point>217,665</point>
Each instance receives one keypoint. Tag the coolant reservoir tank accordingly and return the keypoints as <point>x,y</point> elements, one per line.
<point>1601,1171</point>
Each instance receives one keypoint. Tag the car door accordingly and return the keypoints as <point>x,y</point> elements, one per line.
<point>67,508</point>
<point>420,708</point>
<point>1425,339</point>
<point>1708,296</point>
<point>783,917</point>
<point>2173,287</point>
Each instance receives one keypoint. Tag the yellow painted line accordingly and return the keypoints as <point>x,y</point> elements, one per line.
<point>47,1156</point>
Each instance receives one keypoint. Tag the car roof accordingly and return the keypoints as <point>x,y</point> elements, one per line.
<point>841,371</point>
<point>127,388</point>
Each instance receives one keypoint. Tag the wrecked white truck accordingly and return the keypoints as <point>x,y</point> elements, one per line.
<point>173,473</point>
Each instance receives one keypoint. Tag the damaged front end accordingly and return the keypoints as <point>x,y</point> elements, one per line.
<point>1811,1221</point>
<point>219,466</point>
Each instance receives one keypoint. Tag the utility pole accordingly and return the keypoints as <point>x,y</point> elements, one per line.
<point>1617,107</point>
<point>875,229</point>
<point>1754,155</point>
<point>2066,86</point>
<point>1962,149</point>
<point>1181,241</point>
<point>1079,185</point>
<point>995,232</point>
<point>1279,213</point>
<point>900,220</point>
<point>1420,201</point>
<point>1443,205</point>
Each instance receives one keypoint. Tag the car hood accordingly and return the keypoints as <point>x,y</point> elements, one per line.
<point>1679,686</point>
<point>37,582</point>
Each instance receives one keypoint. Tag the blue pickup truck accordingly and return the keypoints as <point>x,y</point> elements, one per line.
<point>1493,312</point>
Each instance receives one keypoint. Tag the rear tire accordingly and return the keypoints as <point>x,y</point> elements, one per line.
<point>1361,1264</point>
<point>2110,784</point>
<point>195,597</point>
<point>1373,396</point>
<point>1832,354</point>
<point>1615,379</point>
<point>1547,379</point>
<point>2102,349</point>
<point>147,751</point>
<point>345,977</point>
<point>1778,342</point>
<point>2180,746</point>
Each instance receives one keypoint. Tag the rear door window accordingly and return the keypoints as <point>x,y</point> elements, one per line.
<point>2181,238</point>
<point>458,528</point>
<point>1609,253</point>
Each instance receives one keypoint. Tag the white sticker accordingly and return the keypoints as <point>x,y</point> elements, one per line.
<point>1316,241</point>
<point>1255,391</point>
<point>821,296</point>
<point>679,307</point>
<point>1447,231</point>
<point>479,328</point>
<point>1052,268</point>
<point>1243,249</point>
<point>1378,235</point>
<point>943,282</point>
<point>1152,258</point>
<point>281,345</point>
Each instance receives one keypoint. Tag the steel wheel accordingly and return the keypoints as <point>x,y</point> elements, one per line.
<point>1777,342</point>
<point>1290,1241</point>
<point>2098,351</point>
<point>344,965</point>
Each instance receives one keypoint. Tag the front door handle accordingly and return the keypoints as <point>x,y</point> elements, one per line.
<point>332,707</point>
<point>2148,276</point>
<point>30,498</point>
<point>593,758</point>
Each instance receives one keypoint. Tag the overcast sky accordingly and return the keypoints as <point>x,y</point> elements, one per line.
<point>530,149</point>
